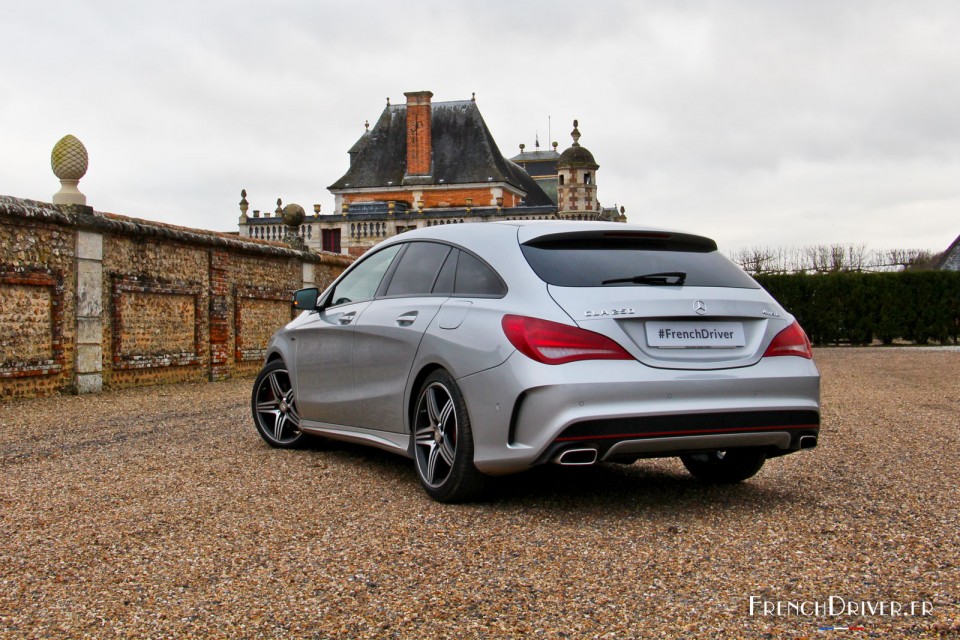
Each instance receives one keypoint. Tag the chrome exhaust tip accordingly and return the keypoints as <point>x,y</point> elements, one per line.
<point>808,442</point>
<point>576,457</point>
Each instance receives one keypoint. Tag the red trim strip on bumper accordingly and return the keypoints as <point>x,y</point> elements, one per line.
<point>638,436</point>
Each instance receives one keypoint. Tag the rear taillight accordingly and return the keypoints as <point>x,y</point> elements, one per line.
<point>554,343</point>
<point>792,341</point>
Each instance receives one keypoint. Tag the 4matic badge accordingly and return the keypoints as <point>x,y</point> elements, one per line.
<point>625,311</point>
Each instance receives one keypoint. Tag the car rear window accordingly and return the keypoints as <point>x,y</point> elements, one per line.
<point>582,260</point>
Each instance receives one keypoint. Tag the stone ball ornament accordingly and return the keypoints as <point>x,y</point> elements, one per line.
<point>69,158</point>
<point>293,215</point>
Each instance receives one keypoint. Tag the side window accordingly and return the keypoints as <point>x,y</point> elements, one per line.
<point>448,272</point>
<point>361,283</point>
<point>476,279</point>
<point>418,269</point>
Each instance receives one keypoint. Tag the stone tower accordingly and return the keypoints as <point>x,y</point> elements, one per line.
<point>577,181</point>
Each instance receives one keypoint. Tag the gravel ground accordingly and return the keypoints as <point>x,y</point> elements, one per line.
<point>159,512</point>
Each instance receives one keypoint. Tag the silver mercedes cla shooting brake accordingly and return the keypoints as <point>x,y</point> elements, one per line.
<point>485,349</point>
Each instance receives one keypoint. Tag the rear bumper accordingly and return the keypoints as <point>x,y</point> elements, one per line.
<point>525,413</point>
<point>777,432</point>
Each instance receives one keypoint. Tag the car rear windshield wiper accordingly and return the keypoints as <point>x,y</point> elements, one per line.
<point>667,278</point>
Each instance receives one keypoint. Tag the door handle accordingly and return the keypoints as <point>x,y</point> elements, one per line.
<point>407,319</point>
<point>347,318</point>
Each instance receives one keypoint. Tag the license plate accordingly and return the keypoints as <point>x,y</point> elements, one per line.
<point>695,335</point>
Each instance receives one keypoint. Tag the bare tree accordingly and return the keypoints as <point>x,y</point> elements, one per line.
<point>756,260</point>
<point>830,258</point>
<point>815,258</point>
<point>910,259</point>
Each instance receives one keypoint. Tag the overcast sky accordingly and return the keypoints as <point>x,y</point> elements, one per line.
<point>756,122</point>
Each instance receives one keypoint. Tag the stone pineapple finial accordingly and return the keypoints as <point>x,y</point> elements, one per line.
<point>69,162</point>
<point>244,205</point>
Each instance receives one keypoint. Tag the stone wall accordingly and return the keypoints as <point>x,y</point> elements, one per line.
<point>92,300</point>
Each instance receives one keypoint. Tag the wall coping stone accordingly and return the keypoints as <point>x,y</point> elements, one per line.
<point>87,219</point>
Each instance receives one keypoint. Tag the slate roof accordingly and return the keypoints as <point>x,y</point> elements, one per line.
<point>951,257</point>
<point>577,156</point>
<point>360,144</point>
<point>535,156</point>
<point>463,152</point>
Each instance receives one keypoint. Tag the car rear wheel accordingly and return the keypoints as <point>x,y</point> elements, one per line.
<point>443,442</point>
<point>275,408</point>
<point>724,467</point>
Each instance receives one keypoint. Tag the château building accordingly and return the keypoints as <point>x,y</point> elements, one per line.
<point>427,163</point>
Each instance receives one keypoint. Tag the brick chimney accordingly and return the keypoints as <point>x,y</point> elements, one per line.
<point>419,144</point>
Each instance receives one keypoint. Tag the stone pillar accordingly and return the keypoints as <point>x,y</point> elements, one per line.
<point>244,205</point>
<point>309,275</point>
<point>89,362</point>
<point>293,217</point>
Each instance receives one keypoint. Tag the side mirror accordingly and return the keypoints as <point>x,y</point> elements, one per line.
<point>306,299</point>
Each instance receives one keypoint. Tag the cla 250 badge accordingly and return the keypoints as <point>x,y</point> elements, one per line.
<point>626,311</point>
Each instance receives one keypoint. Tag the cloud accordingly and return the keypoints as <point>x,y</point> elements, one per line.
<point>759,122</point>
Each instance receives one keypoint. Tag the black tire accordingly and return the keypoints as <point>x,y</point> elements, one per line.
<point>724,467</point>
<point>274,408</point>
<point>443,442</point>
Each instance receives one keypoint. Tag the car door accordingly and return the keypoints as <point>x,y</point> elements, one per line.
<point>388,332</point>
<point>324,352</point>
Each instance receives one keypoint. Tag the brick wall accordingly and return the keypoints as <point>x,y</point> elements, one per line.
<point>576,194</point>
<point>92,300</point>
<point>382,196</point>
<point>447,197</point>
<point>458,197</point>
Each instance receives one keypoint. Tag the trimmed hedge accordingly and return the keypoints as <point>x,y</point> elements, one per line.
<point>857,308</point>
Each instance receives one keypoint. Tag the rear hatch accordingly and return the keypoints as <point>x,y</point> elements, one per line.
<point>670,299</point>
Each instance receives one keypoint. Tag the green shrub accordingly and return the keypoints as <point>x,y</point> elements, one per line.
<point>857,308</point>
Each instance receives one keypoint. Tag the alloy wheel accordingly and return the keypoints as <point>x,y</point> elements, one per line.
<point>276,408</point>
<point>435,434</point>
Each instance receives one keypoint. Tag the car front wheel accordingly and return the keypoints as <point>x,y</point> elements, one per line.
<point>275,407</point>
<point>724,467</point>
<point>443,442</point>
